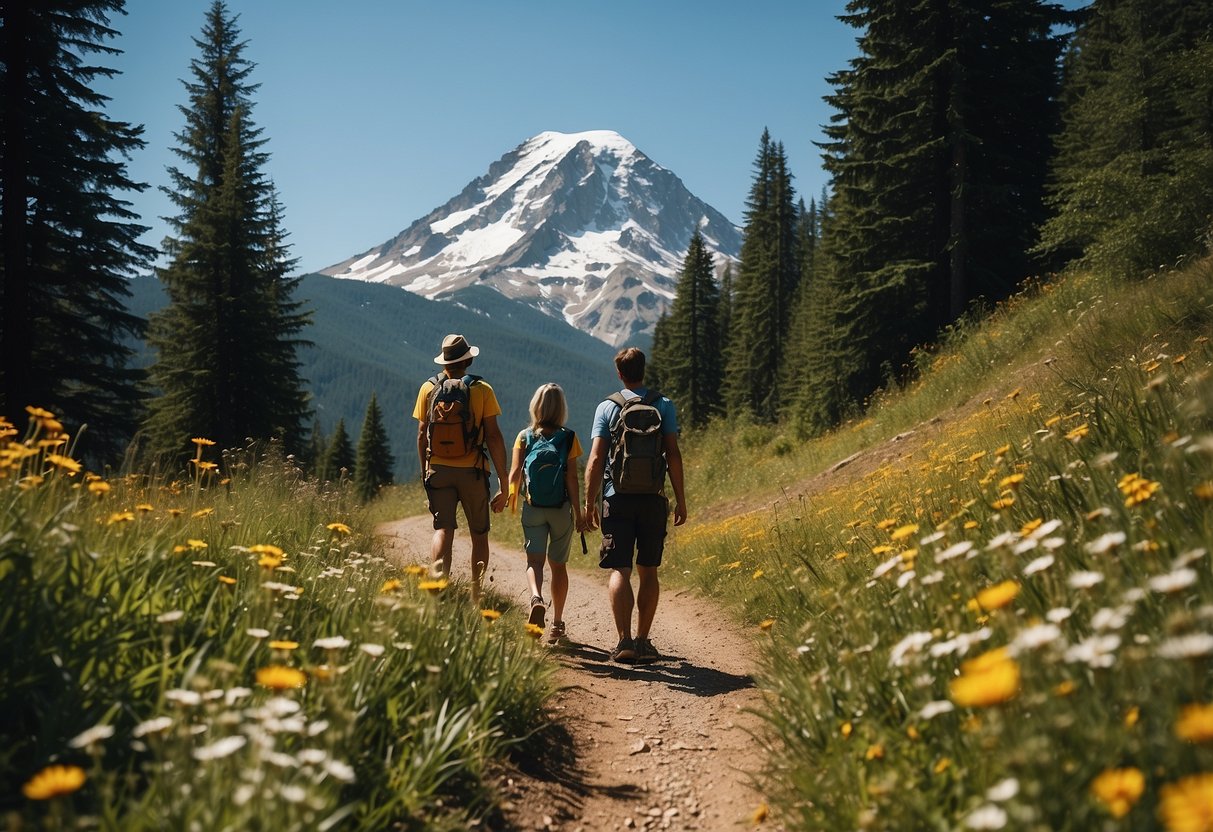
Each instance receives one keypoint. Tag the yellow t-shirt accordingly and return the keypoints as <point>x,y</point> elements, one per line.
<point>483,402</point>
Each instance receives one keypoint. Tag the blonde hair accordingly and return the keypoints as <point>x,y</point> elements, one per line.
<point>548,407</point>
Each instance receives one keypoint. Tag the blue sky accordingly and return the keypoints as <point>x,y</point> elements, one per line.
<point>378,111</point>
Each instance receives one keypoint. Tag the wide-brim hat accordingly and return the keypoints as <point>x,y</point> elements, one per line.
<point>455,348</point>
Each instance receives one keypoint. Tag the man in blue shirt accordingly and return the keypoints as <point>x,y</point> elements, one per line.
<point>633,523</point>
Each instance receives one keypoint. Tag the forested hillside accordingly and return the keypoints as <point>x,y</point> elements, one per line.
<point>370,338</point>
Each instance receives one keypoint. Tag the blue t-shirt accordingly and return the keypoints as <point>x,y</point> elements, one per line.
<point>608,410</point>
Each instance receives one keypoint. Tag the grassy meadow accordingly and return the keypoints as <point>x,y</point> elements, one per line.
<point>230,650</point>
<point>1007,622</point>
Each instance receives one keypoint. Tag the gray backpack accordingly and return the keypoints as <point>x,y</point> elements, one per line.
<point>636,462</point>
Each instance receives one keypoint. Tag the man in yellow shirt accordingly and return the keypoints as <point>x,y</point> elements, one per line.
<point>457,434</point>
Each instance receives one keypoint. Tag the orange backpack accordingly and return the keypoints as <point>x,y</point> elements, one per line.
<point>452,432</point>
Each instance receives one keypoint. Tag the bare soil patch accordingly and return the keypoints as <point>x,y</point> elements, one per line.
<point>672,745</point>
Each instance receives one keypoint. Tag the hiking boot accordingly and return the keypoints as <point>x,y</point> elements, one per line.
<point>555,634</point>
<point>624,652</point>
<point>538,611</point>
<point>646,653</point>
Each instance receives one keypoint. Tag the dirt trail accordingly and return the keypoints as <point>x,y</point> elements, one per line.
<point>663,746</point>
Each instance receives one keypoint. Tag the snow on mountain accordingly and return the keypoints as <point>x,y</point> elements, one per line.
<point>581,225</point>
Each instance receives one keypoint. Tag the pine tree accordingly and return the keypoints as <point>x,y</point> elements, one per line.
<point>374,461</point>
<point>691,363</point>
<point>312,453</point>
<point>765,288</point>
<point>67,243</point>
<point>937,156</point>
<point>338,456</point>
<point>226,343</point>
<point>1130,183</point>
<point>656,367</point>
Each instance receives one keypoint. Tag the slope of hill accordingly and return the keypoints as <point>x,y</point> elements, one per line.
<point>369,337</point>
<point>582,226</point>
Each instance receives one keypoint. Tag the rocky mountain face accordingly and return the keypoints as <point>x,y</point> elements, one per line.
<point>582,226</point>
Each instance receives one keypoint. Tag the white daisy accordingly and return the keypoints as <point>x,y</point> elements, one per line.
<point>934,709</point>
<point>886,566</point>
<point>1107,618</point>
<point>332,643</point>
<point>1095,651</point>
<point>92,736</point>
<point>934,578</point>
<point>1085,580</point>
<point>152,726</point>
<point>1039,565</point>
<point>1059,614</point>
<point>961,643</point>
<point>372,650</point>
<point>987,817</point>
<point>1190,646</point>
<point>1189,557</point>
<point>954,551</point>
<point>1033,638</point>
<point>339,771</point>
<point>218,750</point>
<point>1105,543</point>
<point>1004,539</point>
<point>257,632</point>
<point>1045,529</point>
<point>183,697</point>
<point>1003,790</point>
<point>1173,581</point>
<point>170,616</point>
<point>931,538</point>
<point>913,643</point>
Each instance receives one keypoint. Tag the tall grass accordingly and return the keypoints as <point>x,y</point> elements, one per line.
<point>1011,627</point>
<point>230,650</point>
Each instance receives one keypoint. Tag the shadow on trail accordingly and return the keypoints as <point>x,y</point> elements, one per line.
<point>675,672</point>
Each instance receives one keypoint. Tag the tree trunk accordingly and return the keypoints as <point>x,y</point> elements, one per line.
<point>16,339</point>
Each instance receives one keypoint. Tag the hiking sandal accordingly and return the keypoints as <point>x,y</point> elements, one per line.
<point>538,611</point>
<point>624,652</point>
<point>646,653</point>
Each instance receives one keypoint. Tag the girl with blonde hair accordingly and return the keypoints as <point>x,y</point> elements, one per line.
<point>544,475</point>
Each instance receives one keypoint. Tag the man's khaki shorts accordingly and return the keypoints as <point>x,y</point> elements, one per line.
<point>446,487</point>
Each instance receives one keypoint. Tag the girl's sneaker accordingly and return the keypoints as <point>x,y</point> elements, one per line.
<point>538,611</point>
<point>555,634</point>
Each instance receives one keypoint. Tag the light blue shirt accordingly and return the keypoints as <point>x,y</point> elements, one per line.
<point>608,410</point>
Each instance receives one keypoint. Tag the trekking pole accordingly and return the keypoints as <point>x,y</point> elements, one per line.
<point>585,550</point>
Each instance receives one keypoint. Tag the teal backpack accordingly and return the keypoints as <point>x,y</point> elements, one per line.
<point>547,459</point>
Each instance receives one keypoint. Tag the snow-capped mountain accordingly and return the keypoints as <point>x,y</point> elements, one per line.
<point>581,225</point>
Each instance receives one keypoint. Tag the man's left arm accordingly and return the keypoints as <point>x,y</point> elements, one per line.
<point>673,463</point>
<point>496,445</point>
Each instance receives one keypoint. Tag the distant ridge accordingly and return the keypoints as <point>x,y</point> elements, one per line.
<point>582,226</point>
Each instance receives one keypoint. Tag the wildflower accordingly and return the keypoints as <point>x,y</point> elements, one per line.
<point>152,726</point>
<point>339,528</point>
<point>987,817</point>
<point>1173,581</point>
<point>257,632</point>
<point>846,729</point>
<point>989,679</point>
<point>1132,716</point>
<point>1137,489</point>
<point>1195,723</point>
<point>942,765</point>
<point>1105,543</point>
<point>1064,688</point>
<point>1011,481</point>
<point>1204,490</point>
<point>145,507</point>
<point>205,466</point>
<point>758,573</point>
<point>1079,432</point>
<point>766,624</point>
<point>1084,580</point>
<point>202,512</point>
<point>1004,501</point>
<point>1095,651</point>
<point>1107,618</point>
<point>414,569</point>
<point>185,698</point>
<point>54,781</point>
<point>202,442</point>
<point>887,566</point>
<point>99,487</point>
<point>1039,565</point>
<point>953,551</point>
<point>120,517</point>
<point>874,752</point>
<point>390,585</point>
<point>220,749</point>
<point>224,579</point>
<point>279,677</point>
<point>936,708</point>
<point>734,565</point>
<point>997,596</point>
<point>283,644</point>
<point>66,463</point>
<point>170,617</point>
<point>533,630</point>
<point>92,736</point>
<point>433,587</point>
<point>1003,790</point>
<point>1033,638</point>
<point>1118,789</point>
<point>490,615</point>
<point>902,532</point>
<point>372,650</point>
<point>1187,805</point>
<point>759,814</point>
<point>1190,646</point>
<point>175,512</point>
<point>332,643</point>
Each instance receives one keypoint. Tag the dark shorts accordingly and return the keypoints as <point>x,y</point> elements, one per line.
<point>633,524</point>
<point>448,486</point>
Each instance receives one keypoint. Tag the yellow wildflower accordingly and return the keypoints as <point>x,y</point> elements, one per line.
<point>943,765</point>
<point>120,517</point>
<point>1132,716</point>
<point>1195,723</point>
<point>734,565</point>
<point>1204,490</point>
<point>279,677</point>
<point>201,442</point>
<point>902,532</point>
<point>340,528</point>
<point>203,512</point>
<point>283,644</point>
<point>998,596</point>
<point>987,680</point>
<point>390,585</point>
<point>433,587</point>
<point>874,752</point>
<point>414,569</point>
<point>846,729</point>
<point>145,507</point>
<point>1064,688</point>
<point>1078,432</point>
<point>65,462</point>
<point>1119,789</point>
<point>1010,481</point>
<point>490,615</point>
<point>54,781</point>
<point>196,544</point>
<point>224,579</point>
<point>1005,501</point>
<point>533,630</point>
<point>1137,489</point>
<point>1187,805</point>
<point>759,814</point>
<point>766,624</point>
<point>758,573</point>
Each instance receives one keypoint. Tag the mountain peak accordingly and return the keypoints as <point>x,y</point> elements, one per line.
<point>583,226</point>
